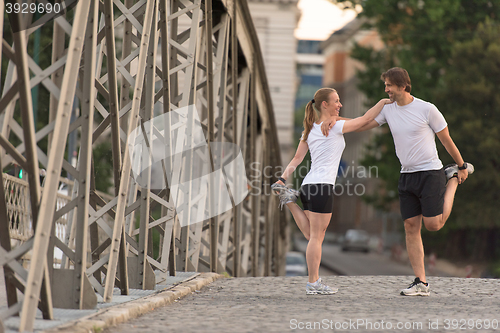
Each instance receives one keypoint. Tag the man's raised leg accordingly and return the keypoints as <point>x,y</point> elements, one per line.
<point>435,223</point>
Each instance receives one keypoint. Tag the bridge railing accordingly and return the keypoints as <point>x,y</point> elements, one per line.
<point>18,208</point>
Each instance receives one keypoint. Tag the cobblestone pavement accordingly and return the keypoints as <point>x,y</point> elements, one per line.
<point>368,303</point>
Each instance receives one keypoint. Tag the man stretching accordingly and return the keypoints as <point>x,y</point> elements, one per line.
<point>426,190</point>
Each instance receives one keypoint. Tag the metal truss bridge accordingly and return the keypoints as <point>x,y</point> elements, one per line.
<point>167,78</point>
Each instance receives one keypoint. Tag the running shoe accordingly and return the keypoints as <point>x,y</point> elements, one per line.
<point>319,288</point>
<point>416,288</point>
<point>278,188</point>
<point>451,170</point>
<point>285,194</point>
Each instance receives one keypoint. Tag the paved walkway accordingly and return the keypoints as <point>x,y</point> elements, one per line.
<point>279,304</point>
<point>121,308</point>
<point>368,303</point>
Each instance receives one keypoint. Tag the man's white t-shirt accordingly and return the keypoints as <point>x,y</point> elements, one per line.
<point>413,127</point>
<point>326,152</point>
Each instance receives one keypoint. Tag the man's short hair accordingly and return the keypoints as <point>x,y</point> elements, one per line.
<point>399,77</point>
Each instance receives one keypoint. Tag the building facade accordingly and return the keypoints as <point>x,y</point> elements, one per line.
<point>275,22</point>
<point>310,60</point>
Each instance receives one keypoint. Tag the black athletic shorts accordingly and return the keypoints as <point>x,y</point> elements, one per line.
<point>422,192</point>
<point>317,198</point>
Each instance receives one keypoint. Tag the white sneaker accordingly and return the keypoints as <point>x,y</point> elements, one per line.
<point>416,288</point>
<point>319,288</point>
<point>451,170</point>
<point>285,194</point>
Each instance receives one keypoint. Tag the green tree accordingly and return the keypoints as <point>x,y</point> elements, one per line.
<point>470,97</point>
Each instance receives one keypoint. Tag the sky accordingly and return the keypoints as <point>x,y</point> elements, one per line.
<point>320,18</point>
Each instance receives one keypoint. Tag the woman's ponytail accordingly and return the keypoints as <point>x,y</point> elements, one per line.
<point>313,110</point>
<point>309,119</point>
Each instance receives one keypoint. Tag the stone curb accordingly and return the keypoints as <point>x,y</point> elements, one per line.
<point>115,315</point>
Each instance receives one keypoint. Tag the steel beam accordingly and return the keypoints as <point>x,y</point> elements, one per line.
<point>118,227</point>
<point>253,157</point>
<point>184,59</point>
<point>47,204</point>
<point>80,289</point>
<point>214,226</point>
<point>143,264</point>
<point>31,154</point>
<point>126,51</point>
<point>113,91</point>
<point>234,106</point>
<point>167,243</point>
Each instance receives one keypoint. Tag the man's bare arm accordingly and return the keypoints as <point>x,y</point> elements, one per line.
<point>328,124</point>
<point>451,148</point>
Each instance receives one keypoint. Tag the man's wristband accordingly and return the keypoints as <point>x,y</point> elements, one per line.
<point>282,179</point>
<point>463,167</point>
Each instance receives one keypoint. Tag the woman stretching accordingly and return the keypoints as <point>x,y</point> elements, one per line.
<point>317,188</point>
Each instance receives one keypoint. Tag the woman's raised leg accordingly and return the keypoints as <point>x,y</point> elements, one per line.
<point>300,218</point>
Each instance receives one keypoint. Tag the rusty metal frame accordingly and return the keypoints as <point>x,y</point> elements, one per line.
<point>211,60</point>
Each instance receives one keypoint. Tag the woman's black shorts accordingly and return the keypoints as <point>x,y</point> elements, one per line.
<point>317,198</point>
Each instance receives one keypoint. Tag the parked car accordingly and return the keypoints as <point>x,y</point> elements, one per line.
<point>296,264</point>
<point>356,240</point>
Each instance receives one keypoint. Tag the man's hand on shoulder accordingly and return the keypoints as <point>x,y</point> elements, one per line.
<point>387,101</point>
<point>327,125</point>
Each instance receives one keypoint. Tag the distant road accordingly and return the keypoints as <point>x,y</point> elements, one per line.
<point>357,263</point>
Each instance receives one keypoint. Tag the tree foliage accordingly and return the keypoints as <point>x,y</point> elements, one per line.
<point>472,103</point>
<point>451,51</point>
